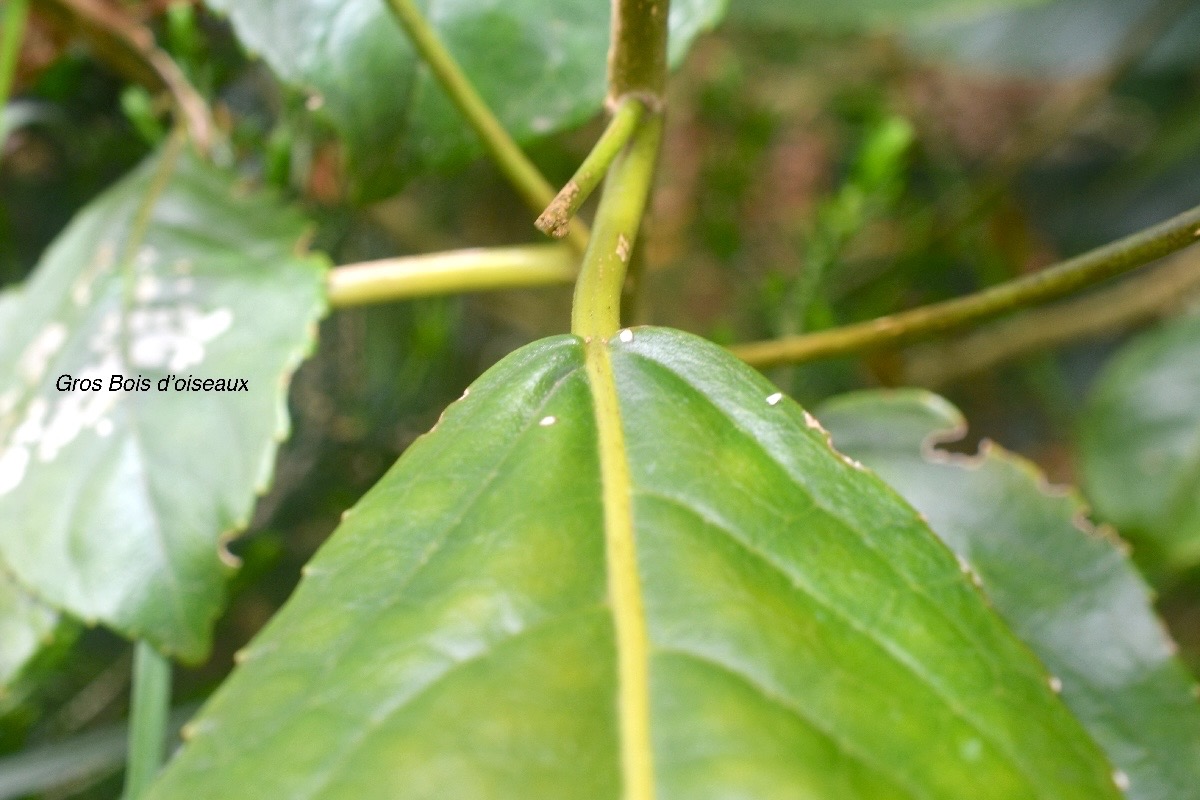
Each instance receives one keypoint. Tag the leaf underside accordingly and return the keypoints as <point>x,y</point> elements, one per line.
<point>25,627</point>
<point>808,635</point>
<point>113,502</point>
<point>25,624</point>
<point>1065,589</point>
<point>538,64</point>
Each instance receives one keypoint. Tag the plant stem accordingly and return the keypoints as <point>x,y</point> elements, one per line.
<point>637,54</point>
<point>534,189</point>
<point>597,307</point>
<point>637,57</point>
<point>1050,284</point>
<point>637,69</point>
<point>1160,291</point>
<point>15,14</point>
<point>632,311</point>
<point>471,270</point>
<point>148,718</point>
<point>556,219</point>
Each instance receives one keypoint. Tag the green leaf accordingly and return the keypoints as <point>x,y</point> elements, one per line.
<point>114,503</point>
<point>619,564</point>
<point>539,65</point>
<point>1139,444</point>
<point>817,14</point>
<point>1066,589</point>
<point>26,625</point>
<point>1044,38</point>
<point>25,628</point>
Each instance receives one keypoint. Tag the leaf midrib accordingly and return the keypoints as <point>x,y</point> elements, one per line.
<point>699,394</point>
<point>624,581</point>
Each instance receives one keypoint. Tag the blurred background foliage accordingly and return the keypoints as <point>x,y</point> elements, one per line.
<point>812,176</point>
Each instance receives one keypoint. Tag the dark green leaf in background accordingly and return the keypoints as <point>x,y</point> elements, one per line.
<point>1066,589</point>
<point>806,634</point>
<point>114,503</point>
<point>821,15</point>
<point>537,63</point>
<point>1065,38</point>
<point>1139,443</point>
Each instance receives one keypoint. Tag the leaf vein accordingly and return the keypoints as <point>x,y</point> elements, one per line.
<point>891,649</point>
<point>795,710</point>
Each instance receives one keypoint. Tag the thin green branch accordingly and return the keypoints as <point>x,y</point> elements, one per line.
<point>556,219</point>
<point>1050,284</point>
<point>16,12</point>
<point>1159,291</point>
<point>148,719</point>
<point>637,55</point>
<point>597,308</point>
<point>473,270</point>
<point>516,166</point>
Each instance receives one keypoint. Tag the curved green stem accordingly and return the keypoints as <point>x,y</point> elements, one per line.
<point>1156,292</point>
<point>516,166</point>
<point>472,270</point>
<point>15,14</point>
<point>1050,284</point>
<point>556,219</point>
<point>148,718</point>
<point>597,307</point>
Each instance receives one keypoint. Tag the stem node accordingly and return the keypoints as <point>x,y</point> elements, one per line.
<point>555,220</point>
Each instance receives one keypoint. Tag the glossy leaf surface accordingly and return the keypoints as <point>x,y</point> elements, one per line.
<point>539,65</point>
<point>1066,590</point>
<point>114,500</point>
<point>805,635</point>
<point>1139,442</point>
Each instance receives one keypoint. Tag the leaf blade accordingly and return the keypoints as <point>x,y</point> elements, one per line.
<point>1065,589</point>
<point>114,501</point>
<point>25,628</point>
<point>567,579</point>
<point>1139,444</point>
<point>764,634</point>
<point>854,557</point>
